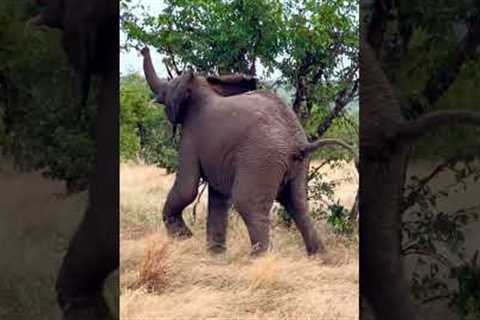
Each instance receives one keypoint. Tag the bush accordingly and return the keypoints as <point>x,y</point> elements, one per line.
<point>466,300</point>
<point>337,216</point>
<point>134,105</point>
<point>144,129</point>
<point>159,146</point>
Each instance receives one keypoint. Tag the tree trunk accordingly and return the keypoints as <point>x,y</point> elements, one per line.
<point>382,171</point>
<point>300,102</point>
<point>381,281</point>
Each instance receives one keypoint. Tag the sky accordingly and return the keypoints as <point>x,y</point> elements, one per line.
<point>131,61</point>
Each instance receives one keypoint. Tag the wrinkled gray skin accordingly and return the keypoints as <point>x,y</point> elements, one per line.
<point>248,146</point>
<point>90,40</point>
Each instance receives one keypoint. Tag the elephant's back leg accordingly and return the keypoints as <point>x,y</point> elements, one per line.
<point>253,194</point>
<point>293,197</point>
<point>217,220</point>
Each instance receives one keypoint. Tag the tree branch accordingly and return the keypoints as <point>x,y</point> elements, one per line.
<point>439,297</point>
<point>411,251</point>
<point>167,67</point>
<point>411,131</point>
<point>412,196</point>
<point>314,172</point>
<point>344,97</point>
<point>378,23</point>
<point>447,72</point>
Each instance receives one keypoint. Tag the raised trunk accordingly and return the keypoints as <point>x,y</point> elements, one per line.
<point>157,85</point>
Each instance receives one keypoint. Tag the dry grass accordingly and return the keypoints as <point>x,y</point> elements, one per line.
<point>188,283</point>
<point>155,267</point>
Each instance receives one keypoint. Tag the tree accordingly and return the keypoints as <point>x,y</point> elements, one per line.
<point>396,113</point>
<point>321,60</point>
<point>229,36</point>
<point>314,45</point>
<point>38,126</point>
<point>144,129</point>
<point>133,97</point>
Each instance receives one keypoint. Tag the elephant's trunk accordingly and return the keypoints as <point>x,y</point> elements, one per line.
<point>157,85</point>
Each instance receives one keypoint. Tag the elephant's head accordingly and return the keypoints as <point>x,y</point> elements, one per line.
<point>175,94</point>
<point>87,27</point>
<point>50,15</point>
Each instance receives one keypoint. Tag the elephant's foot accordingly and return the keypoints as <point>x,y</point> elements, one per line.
<point>216,248</point>
<point>86,308</point>
<point>176,228</point>
<point>315,247</point>
<point>259,250</point>
<point>179,233</point>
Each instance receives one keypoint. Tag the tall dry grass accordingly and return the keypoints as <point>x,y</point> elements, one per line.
<point>166,279</point>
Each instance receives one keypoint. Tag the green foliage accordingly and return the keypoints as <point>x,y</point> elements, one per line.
<point>337,216</point>
<point>312,44</point>
<point>320,49</point>
<point>466,300</point>
<point>160,146</point>
<point>144,129</point>
<point>40,124</point>
<point>344,127</point>
<point>322,191</point>
<point>420,52</point>
<point>440,236</point>
<point>228,35</point>
<point>134,105</point>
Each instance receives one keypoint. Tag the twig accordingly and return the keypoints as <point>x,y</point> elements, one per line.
<point>194,210</point>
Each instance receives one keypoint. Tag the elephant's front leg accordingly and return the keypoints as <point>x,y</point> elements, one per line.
<point>217,220</point>
<point>183,192</point>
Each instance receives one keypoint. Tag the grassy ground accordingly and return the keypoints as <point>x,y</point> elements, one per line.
<point>36,223</point>
<point>165,279</point>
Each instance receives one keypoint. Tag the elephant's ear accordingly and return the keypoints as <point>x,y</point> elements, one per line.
<point>177,99</point>
<point>232,84</point>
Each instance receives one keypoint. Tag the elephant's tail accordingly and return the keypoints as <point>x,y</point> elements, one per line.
<point>313,146</point>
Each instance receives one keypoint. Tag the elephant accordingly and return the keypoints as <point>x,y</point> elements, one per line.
<point>90,40</point>
<point>87,26</point>
<point>246,144</point>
